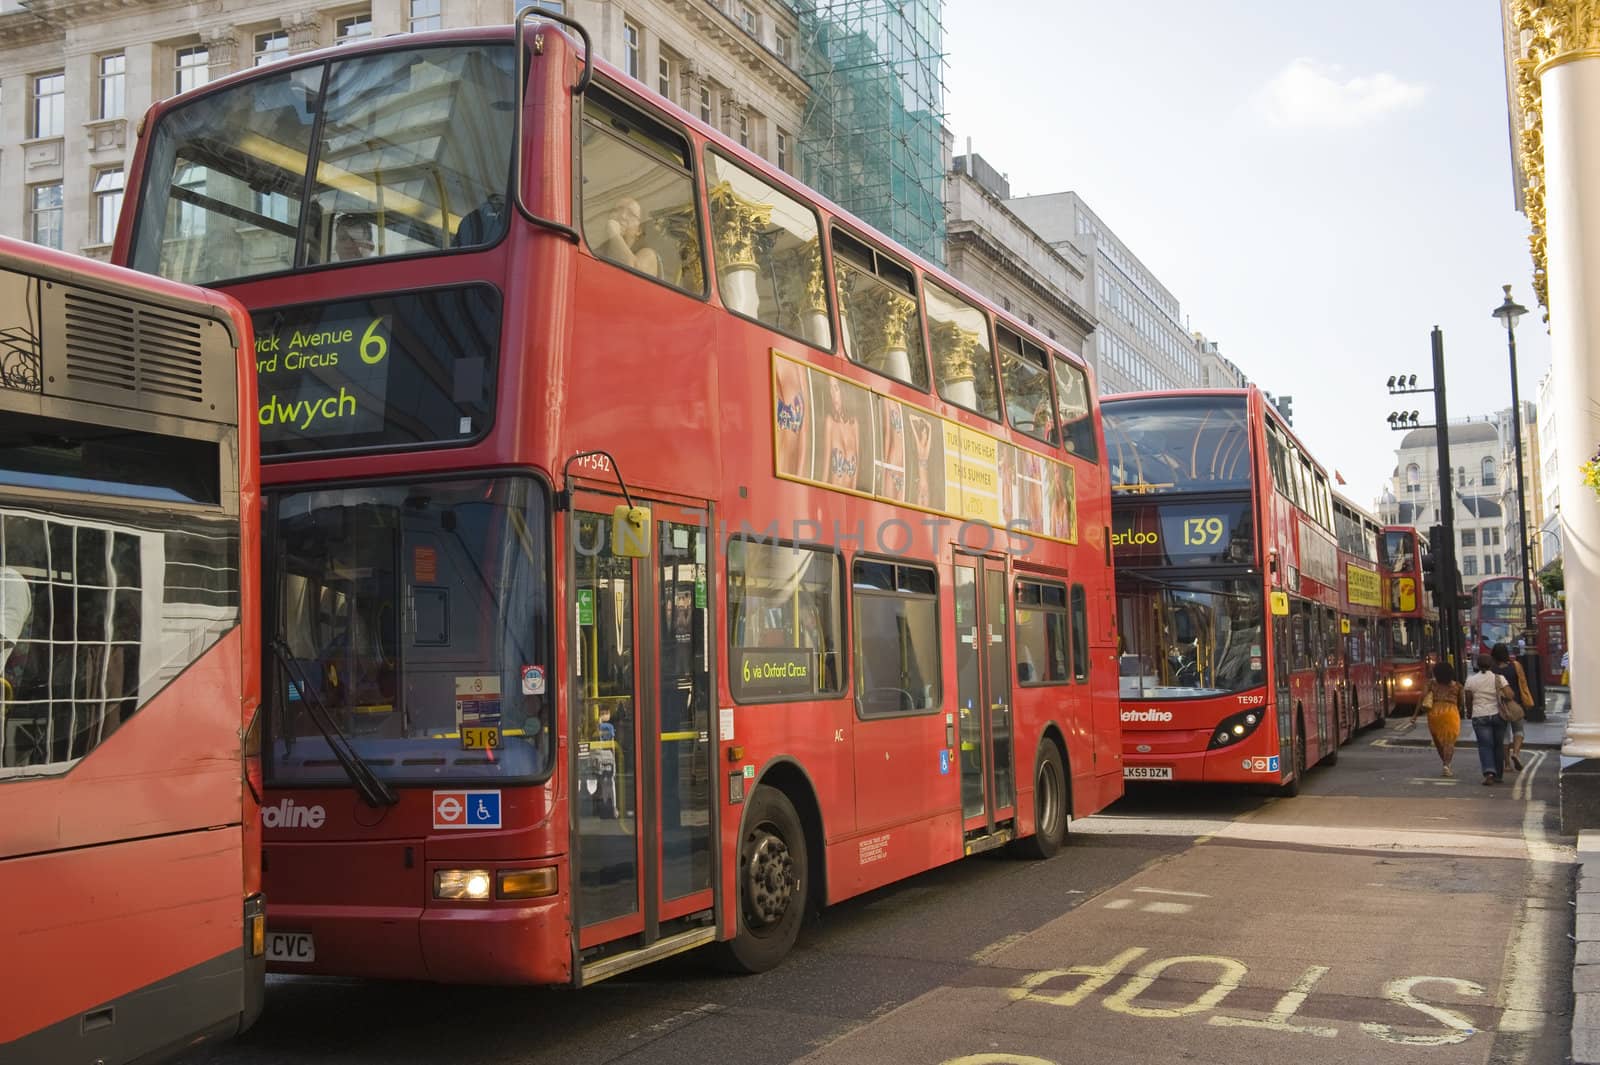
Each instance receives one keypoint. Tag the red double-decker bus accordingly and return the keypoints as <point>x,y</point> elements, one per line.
<point>652,550</point>
<point>130,905</point>
<point>1410,647</point>
<point>1228,593</point>
<point>1497,615</point>
<point>1362,699</point>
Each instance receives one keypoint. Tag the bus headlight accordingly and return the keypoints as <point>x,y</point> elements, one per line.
<point>462,884</point>
<point>1234,728</point>
<point>1408,682</point>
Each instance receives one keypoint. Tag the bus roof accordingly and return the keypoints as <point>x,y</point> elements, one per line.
<point>614,79</point>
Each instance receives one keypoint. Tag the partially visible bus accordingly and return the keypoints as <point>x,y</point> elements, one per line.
<point>652,550</point>
<point>131,919</point>
<point>1362,614</point>
<point>1410,648</point>
<point>1497,614</point>
<point>1228,592</point>
<point>1552,644</point>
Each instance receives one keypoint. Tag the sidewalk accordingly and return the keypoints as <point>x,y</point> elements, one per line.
<point>1549,733</point>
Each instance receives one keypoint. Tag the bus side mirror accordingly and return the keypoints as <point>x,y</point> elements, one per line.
<point>630,531</point>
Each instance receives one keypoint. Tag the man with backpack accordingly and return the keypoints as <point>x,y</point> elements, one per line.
<point>1511,670</point>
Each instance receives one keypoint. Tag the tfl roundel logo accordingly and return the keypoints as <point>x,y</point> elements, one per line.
<point>466,809</point>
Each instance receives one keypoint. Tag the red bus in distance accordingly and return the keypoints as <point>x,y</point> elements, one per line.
<point>1497,615</point>
<point>129,672</point>
<point>648,556</point>
<point>1228,591</point>
<point>1411,649</point>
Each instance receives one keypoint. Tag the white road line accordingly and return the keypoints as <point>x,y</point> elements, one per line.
<point>1165,907</point>
<point>1180,894</point>
<point>1532,760</point>
<point>1119,904</point>
<point>1522,1001</point>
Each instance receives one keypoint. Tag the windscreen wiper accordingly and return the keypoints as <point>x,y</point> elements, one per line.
<point>373,791</point>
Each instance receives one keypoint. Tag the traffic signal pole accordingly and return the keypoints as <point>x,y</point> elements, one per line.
<point>1451,635</point>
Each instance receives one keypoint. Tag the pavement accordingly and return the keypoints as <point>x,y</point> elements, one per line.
<point>1551,733</point>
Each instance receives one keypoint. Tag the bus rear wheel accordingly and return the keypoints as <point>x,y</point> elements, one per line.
<point>1049,807</point>
<point>773,881</point>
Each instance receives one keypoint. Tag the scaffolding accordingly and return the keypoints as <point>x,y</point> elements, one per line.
<point>874,133</point>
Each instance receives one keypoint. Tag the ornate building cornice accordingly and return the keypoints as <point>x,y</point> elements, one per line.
<point>1541,34</point>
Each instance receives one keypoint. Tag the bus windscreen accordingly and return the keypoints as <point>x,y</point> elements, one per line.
<point>1178,444</point>
<point>360,158</point>
<point>1189,638</point>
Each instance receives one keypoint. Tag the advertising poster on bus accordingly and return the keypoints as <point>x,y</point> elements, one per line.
<point>831,432</point>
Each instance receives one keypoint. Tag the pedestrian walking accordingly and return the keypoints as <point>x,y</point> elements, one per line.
<point>1442,700</point>
<point>1483,692</point>
<point>1511,670</point>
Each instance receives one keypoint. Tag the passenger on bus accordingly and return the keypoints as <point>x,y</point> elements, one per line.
<point>482,225</point>
<point>624,232</point>
<point>352,239</point>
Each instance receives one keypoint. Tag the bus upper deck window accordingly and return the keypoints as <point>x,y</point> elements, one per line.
<point>639,206</point>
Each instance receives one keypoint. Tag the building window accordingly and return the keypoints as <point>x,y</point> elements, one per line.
<point>744,131</point>
<point>555,6</point>
<point>783,150</point>
<point>1469,538</point>
<point>425,15</point>
<point>664,76</point>
<point>1492,538</point>
<point>271,46</point>
<point>352,28</point>
<point>113,86</point>
<point>44,215</point>
<point>630,49</point>
<point>1488,471</point>
<point>1469,565</point>
<point>193,68</point>
<point>49,107</point>
<point>747,18</point>
<point>780,44</point>
<point>705,105</point>
<point>107,204</point>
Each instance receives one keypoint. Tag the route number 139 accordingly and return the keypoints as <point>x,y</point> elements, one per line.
<point>1202,532</point>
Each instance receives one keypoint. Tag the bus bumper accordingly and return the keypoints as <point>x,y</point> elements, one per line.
<point>478,943</point>
<point>1253,760</point>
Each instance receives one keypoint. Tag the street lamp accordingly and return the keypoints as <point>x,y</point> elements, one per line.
<point>1508,313</point>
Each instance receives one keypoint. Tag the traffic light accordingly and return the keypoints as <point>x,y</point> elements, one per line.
<point>1434,561</point>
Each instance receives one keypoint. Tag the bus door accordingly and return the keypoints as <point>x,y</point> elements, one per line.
<point>640,703</point>
<point>983,723</point>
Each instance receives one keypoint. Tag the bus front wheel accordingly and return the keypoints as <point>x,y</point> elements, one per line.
<point>773,881</point>
<point>1049,807</point>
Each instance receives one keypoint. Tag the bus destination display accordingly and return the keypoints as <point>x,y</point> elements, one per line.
<point>1176,534</point>
<point>387,371</point>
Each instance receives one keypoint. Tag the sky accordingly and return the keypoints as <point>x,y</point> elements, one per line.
<point>1318,185</point>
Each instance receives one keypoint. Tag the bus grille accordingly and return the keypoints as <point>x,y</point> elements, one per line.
<point>133,348</point>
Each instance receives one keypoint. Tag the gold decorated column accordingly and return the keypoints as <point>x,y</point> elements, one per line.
<point>1553,52</point>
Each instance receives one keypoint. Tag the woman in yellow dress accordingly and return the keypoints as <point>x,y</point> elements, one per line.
<point>1443,700</point>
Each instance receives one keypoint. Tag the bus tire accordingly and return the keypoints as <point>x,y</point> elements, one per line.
<point>1049,807</point>
<point>774,879</point>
